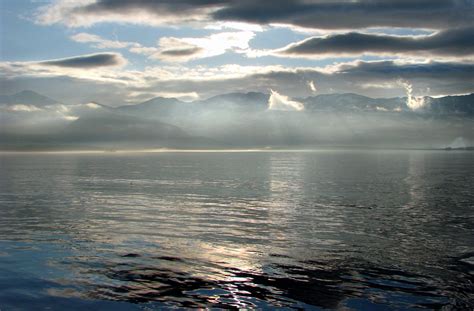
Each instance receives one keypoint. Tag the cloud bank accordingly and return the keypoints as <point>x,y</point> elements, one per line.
<point>318,14</point>
<point>448,43</point>
<point>375,79</point>
<point>88,61</point>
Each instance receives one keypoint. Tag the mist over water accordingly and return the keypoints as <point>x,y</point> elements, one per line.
<point>325,229</point>
<point>239,120</point>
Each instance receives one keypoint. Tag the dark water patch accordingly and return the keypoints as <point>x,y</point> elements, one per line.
<point>169,258</point>
<point>329,285</point>
<point>131,255</point>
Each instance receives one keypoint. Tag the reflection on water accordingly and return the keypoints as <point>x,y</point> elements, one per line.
<point>325,229</point>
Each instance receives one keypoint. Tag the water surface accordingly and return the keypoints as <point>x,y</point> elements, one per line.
<point>322,230</point>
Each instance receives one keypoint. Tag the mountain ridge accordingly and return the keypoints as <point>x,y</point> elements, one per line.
<point>257,101</point>
<point>27,97</point>
<point>242,120</point>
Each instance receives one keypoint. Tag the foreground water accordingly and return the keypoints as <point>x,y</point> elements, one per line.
<point>323,230</point>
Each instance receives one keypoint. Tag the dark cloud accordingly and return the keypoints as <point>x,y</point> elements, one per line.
<point>322,14</point>
<point>455,42</point>
<point>389,70</point>
<point>137,11</point>
<point>180,7</point>
<point>436,14</point>
<point>182,52</point>
<point>87,61</point>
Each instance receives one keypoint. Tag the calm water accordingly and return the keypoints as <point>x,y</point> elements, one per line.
<point>322,230</point>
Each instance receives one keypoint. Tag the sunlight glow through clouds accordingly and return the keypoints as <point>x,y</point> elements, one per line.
<point>185,49</point>
<point>174,49</point>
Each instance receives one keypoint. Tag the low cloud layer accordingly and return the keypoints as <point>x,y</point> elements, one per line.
<point>449,43</point>
<point>114,87</point>
<point>88,61</point>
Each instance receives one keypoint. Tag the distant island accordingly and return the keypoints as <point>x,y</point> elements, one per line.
<point>470,148</point>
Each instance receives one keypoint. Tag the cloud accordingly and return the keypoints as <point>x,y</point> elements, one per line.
<point>182,51</point>
<point>172,49</point>
<point>144,50</point>
<point>23,108</point>
<point>82,13</point>
<point>382,70</point>
<point>101,43</point>
<point>93,105</point>
<point>176,49</point>
<point>318,14</point>
<point>448,43</point>
<point>311,86</point>
<point>75,76</point>
<point>114,87</point>
<point>282,102</point>
<point>88,61</point>
<point>433,14</point>
<point>413,102</point>
<point>429,78</point>
<point>70,118</point>
<point>235,25</point>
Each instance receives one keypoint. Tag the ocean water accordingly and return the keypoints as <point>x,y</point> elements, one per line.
<point>315,230</point>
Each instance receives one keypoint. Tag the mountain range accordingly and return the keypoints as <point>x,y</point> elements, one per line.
<point>254,101</point>
<point>233,120</point>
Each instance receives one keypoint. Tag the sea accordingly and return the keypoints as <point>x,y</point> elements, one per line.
<point>257,229</point>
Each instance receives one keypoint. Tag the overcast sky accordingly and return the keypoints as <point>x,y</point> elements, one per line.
<point>117,51</point>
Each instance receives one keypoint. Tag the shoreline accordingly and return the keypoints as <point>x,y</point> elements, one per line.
<point>226,150</point>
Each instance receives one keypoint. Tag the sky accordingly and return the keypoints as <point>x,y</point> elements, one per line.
<point>118,52</point>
